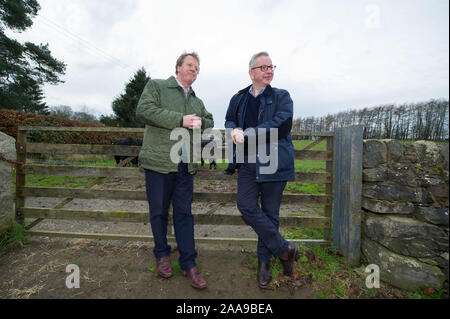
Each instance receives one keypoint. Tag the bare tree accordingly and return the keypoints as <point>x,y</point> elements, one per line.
<point>422,120</point>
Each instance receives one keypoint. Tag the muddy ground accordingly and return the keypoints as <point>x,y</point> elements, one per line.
<point>124,269</point>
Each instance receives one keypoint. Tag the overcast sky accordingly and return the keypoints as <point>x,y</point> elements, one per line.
<point>330,55</point>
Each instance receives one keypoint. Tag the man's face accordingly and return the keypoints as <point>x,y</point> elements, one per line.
<point>187,72</point>
<point>260,78</point>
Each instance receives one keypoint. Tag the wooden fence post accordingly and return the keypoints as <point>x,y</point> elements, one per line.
<point>20,173</point>
<point>347,192</point>
<point>329,187</point>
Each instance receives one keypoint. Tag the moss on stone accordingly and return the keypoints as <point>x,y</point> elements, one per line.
<point>437,170</point>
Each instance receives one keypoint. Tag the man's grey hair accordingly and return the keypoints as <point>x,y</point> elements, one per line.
<point>255,56</point>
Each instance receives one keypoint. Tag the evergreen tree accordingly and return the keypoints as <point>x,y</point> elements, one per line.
<point>124,106</point>
<point>24,68</point>
<point>109,120</point>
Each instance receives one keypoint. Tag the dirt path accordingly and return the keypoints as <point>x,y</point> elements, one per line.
<point>121,269</point>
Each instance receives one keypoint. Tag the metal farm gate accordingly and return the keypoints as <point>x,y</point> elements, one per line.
<point>24,167</point>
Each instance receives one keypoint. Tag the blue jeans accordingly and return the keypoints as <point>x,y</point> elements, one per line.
<point>176,188</point>
<point>264,220</point>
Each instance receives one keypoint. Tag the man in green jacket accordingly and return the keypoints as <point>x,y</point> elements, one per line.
<point>166,105</point>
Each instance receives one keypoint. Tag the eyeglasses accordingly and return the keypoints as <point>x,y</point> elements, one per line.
<point>264,68</point>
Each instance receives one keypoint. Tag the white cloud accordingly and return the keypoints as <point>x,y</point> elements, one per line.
<point>328,55</point>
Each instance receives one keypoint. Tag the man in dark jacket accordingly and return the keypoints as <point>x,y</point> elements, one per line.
<point>262,115</point>
<point>166,105</point>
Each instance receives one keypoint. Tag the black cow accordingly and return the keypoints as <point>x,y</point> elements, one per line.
<point>212,162</point>
<point>127,141</point>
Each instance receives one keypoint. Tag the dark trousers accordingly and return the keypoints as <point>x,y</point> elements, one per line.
<point>265,219</point>
<point>176,188</point>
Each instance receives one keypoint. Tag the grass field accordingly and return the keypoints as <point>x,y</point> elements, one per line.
<point>310,165</point>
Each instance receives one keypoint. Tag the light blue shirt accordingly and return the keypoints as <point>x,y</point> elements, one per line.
<point>185,91</point>
<point>259,93</point>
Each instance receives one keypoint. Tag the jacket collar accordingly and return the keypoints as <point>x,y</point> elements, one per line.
<point>267,92</point>
<point>172,83</point>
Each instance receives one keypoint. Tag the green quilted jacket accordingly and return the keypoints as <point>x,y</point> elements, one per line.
<point>161,107</point>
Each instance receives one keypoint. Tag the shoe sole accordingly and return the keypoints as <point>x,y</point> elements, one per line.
<point>165,276</point>
<point>264,286</point>
<point>198,287</point>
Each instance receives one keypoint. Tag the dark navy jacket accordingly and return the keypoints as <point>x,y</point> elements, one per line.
<point>275,111</point>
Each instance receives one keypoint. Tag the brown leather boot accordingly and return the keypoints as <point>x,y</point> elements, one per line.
<point>288,257</point>
<point>264,274</point>
<point>164,267</point>
<point>196,277</point>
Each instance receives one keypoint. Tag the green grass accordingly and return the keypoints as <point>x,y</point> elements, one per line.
<point>16,235</point>
<point>309,166</point>
<point>58,181</point>
<point>70,181</point>
<point>303,233</point>
<point>306,188</point>
<point>333,279</point>
<point>151,268</point>
<point>419,294</point>
<point>301,144</point>
<point>338,280</point>
<point>277,268</point>
<point>110,162</point>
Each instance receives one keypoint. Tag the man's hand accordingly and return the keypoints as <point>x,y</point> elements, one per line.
<point>192,121</point>
<point>237,135</point>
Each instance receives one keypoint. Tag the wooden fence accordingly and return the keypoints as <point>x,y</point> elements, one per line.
<point>209,218</point>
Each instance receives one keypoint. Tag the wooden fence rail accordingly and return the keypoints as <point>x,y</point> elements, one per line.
<point>205,218</point>
<point>134,172</point>
<point>59,192</point>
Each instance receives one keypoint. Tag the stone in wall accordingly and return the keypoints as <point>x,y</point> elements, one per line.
<point>393,192</point>
<point>375,153</point>
<point>431,154</point>
<point>387,207</point>
<point>396,150</point>
<point>406,236</point>
<point>376,174</point>
<point>436,216</point>
<point>7,151</point>
<point>401,271</point>
<point>403,174</point>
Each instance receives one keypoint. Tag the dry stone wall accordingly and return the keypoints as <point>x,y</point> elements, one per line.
<point>7,153</point>
<point>405,206</point>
